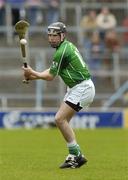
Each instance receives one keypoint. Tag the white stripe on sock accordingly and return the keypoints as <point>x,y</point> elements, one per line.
<point>71,144</point>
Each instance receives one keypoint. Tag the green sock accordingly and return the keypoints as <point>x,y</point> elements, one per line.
<point>75,150</point>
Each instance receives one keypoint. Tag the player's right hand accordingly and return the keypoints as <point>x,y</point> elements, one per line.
<point>28,73</point>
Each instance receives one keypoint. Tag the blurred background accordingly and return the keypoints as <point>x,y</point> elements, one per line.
<point>98,28</point>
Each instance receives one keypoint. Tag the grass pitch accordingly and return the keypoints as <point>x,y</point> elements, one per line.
<point>36,155</point>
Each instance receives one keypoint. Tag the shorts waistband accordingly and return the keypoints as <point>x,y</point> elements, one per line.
<point>78,82</point>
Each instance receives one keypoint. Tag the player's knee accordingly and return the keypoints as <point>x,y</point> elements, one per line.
<point>58,120</point>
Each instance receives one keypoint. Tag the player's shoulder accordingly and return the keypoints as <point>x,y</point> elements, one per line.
<point>62,49</point>
<point>63,46</point>
<point>67,44</point>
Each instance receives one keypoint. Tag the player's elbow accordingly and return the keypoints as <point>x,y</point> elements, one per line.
<point>50,78</point>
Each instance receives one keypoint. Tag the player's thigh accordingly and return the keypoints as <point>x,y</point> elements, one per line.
<point>65,112</point>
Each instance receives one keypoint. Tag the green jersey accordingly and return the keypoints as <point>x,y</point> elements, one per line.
<point>69,64</point>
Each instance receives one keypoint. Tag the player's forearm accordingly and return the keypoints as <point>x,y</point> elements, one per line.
<point>45,75</point>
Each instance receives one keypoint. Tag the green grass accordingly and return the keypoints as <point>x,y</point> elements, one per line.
<point>36,155</point>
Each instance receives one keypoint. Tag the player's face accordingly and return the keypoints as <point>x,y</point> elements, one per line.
<point>54,40</point>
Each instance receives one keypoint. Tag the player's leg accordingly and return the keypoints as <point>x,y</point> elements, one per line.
<point>62,118</point>
<point>77,97</point>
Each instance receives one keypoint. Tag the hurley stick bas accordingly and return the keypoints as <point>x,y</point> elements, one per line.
<point>21,28</point>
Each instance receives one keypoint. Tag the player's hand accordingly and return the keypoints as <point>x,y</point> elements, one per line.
<point>28,73</point>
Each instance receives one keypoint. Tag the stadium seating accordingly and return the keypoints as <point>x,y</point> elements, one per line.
<point>15,94</point>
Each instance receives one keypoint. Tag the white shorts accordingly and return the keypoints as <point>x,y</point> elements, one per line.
<point>82,94</point>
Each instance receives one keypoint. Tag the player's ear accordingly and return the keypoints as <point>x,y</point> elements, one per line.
<point>62,36</point>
